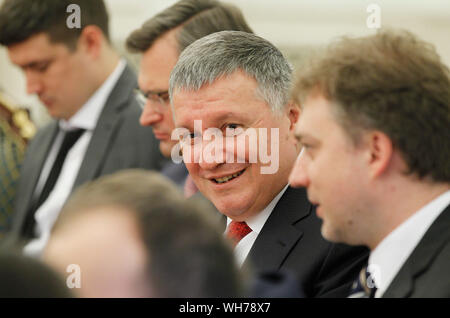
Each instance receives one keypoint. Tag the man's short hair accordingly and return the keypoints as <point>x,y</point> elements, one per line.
<point>133,189</point>
<point>21,19</point>
<point>187,254</point>
<point>26,277</point>
<point>197,18</point>
<point>393,82</point>
<point>223,53</point>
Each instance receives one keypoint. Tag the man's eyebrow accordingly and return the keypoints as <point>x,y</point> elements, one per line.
<point>302,136</point>
<point>29,65</point>
<point>153,92</point>
<point>219,118</point>
<point>298,136</point>
<point>33,64</point>
<point>184,126</point>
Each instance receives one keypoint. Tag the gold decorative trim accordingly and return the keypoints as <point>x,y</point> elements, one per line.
<point>19,116</point>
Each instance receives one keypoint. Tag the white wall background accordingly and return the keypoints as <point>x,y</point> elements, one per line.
<point>293,25</point>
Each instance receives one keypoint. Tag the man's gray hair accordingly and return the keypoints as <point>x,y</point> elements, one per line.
<point>223,53</point>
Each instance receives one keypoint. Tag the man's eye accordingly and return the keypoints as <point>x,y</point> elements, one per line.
<point>233,130</point>
<point>42,67</point>
<point>190,138</point>
<point>164,96</point>
<point>306,146</point>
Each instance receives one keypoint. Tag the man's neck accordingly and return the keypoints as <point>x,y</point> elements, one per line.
<point>401,203</point>
<point>107,65</point>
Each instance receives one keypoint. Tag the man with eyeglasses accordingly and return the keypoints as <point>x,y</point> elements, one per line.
<point>88,90</point>
<point>161,39</point>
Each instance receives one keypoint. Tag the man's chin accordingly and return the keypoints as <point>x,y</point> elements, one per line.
<point>232,210</point>
<point>327,235</point>
<point>331,234</point>
<point>165,148</point>
<point>55,115</point>
<point>55,112</point>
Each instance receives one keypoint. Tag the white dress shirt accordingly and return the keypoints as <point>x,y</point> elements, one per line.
<point>256,223</point>
<point>388,257</point>
<point>86,118</point>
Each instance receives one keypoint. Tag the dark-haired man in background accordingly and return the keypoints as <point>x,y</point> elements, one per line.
<point>88,90</point>
<point>161,39</point>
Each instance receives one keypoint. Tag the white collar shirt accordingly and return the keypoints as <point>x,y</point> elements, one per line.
<point>386,260</point>
<point>256,223</point>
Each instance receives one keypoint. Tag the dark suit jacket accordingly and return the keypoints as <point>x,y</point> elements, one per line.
<point>175,172</point>
<point>291,240</point>
<point>118,142</point>
<point>426,271</point>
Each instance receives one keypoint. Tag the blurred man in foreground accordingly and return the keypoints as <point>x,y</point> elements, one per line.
<point>132,234</point>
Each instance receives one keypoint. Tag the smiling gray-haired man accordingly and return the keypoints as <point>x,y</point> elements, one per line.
<point>236,81</point>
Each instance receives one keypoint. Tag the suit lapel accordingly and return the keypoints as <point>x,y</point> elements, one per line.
<point>37,162</point>
<point>437,235</point>
<point>33,169</point>
<point>107,127</point>
<point>278,235</point>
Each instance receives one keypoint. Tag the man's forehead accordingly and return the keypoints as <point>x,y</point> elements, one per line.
<point>307,124</point>
<point>153,79</point>
<point>149,83</point>
<point>301,132</point>
<point>26,52</point>
<point>228,96</point>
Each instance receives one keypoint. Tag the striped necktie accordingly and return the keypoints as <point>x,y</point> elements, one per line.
<point>364,286</point>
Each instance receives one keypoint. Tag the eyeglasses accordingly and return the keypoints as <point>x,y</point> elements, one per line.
<point>160,99</point>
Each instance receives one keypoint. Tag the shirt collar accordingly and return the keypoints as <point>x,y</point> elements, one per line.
<point>257,221</point>
<point>87,116</point>
<point>389,256</point>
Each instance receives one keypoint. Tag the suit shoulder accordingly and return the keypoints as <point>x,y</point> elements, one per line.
<point>434,281</point>
<point>43,133</point>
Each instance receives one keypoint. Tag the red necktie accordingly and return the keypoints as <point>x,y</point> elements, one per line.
<point>237,231</point>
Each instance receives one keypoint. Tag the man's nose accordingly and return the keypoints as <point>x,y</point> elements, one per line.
<point>213,154</point>
<point>150,115</point>
<point>299,177</point>
<point>34,83</point>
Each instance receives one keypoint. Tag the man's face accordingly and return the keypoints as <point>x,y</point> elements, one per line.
<point>231,103</point>
<point>156,64</point>
<point>55,74</point>
<point>333,170</point>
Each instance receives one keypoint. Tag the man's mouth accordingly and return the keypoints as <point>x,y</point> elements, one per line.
<point>228,178</point>
<point>46,102</point>
<point>160,135</point>
<point>318,209</point>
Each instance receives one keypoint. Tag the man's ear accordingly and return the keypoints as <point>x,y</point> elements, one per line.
<point>380,152</point>
<point>294,113</point>
<point>91,40</point>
